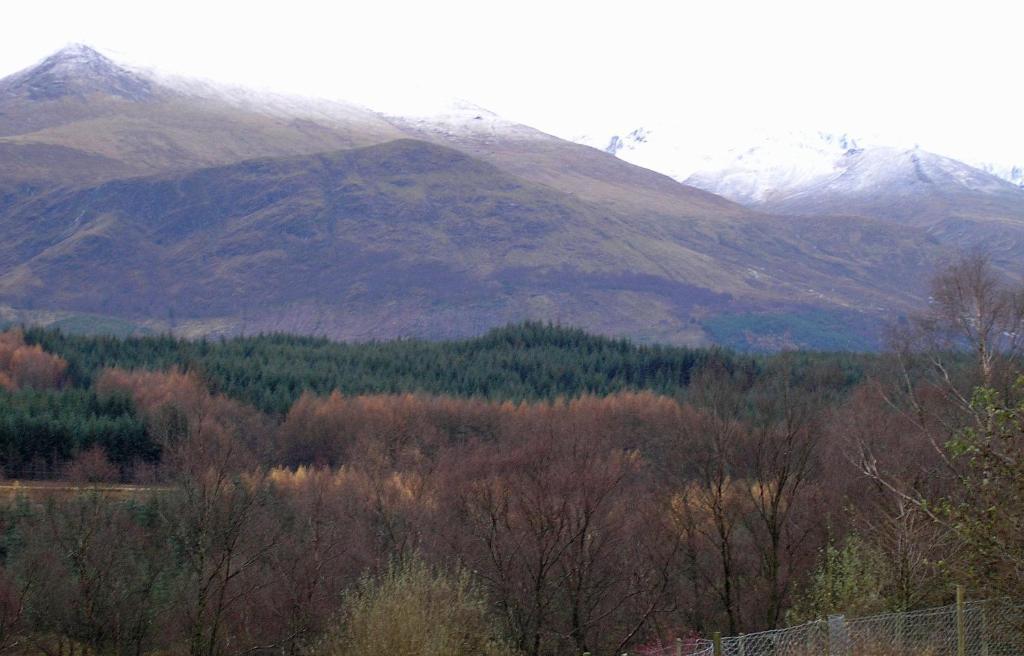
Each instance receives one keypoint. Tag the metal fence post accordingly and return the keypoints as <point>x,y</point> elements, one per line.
<point>718,643</point>
<point>838,636</point>
<point>742,646</point>
<point>679,647</point>
<point>961,633</point>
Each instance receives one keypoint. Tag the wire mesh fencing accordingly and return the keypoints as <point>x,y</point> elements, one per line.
<point>679,647</point>
<point>980,628</point>
<point>811,638</point>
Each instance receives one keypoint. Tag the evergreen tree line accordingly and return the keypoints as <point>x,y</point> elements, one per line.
<point>529,361</point>
<point>41,431</point>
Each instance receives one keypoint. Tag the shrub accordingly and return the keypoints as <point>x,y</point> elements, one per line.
<point>413,609</point>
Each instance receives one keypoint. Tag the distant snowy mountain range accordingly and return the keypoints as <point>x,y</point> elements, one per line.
<point>773,169</point>
<point>835,176</point>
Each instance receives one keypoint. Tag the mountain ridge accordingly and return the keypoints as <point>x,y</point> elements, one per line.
<point>672,155</point>
<point>207,213</point>
<point>835,175</point>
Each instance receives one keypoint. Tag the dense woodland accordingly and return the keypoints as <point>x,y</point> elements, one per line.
<point>524,362</point>
<point>534,491</point>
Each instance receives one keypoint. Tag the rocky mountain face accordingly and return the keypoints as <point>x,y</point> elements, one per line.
<point>174,204</point>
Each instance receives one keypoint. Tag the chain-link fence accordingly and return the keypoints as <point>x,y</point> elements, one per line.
<point>979,628</point>
<point>679,647</point>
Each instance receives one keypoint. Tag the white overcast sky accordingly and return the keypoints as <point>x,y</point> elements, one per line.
<point>946,75</point>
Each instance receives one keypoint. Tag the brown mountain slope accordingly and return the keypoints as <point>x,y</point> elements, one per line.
<point>176,204</point>
<point>78,99</point>
<point>406,238</point>
<point>585,172</point>
<point>954,203</point>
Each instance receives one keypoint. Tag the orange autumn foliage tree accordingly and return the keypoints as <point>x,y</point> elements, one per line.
<point>25,366</point>
<point>197,430</point>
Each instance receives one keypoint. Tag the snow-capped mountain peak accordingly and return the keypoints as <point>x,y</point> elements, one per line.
<point>80,70</point>
<point>751,172</point>
<point>1010,172</point>
<point>842,141</point>
<point>617,144</point>
<point>770,168</point>
<point>77,70</point>
<point>460,119</point>
<point>777,173</point>
<point>630,142</point>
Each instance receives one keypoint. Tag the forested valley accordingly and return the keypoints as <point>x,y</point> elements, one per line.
<point>537,490</point>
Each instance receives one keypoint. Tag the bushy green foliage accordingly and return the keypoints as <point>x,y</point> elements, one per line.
<point>987,514</point>
<point>413,609</point>
<point>849,579</point>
